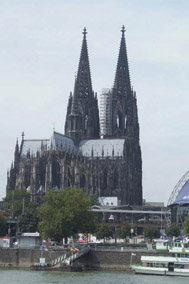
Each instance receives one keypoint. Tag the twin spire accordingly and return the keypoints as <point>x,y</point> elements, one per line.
<point>83,83</point>
<point>83,115</point>
<point>122,77</point>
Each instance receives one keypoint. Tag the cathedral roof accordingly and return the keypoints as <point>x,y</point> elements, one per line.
<point>56,142</point>
<point>88,148</point>
<point>102,147</point>
<point>33,146</point>
<point>62,142</point>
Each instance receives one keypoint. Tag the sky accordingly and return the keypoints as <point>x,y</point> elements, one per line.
<point>40,43</point>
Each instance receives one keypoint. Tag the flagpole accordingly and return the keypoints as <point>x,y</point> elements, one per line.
<point>131,259</point>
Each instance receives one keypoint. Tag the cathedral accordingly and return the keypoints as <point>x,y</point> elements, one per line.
<point>100,150</point>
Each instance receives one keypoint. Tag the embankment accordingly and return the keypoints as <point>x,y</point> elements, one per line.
<point>112,259</point>
<point>99,258</point>
<point>25,258</point>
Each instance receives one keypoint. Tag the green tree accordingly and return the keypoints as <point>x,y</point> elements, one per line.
<point>3,225</point>
<point>65,213</point>
<point>173,230</point>
<point>104,230</point>
<point>15,201</point>
<point>123,230</point>
<point>186,225</point>
<point>151,232</point>
<point>94,200</point>
<point>28,221</point>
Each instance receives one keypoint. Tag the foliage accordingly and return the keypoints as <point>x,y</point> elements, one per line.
<point>94,200</point>
<point>151,232</point>
<point>28,221</point>
<point>14,201</point>
<point>65,213</point>
<point>104,230</point>
<point>173,230</point>
<point>123,230</point>
<point>186,225</point>
<point>3,225</point>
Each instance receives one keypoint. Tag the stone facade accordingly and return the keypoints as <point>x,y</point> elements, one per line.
<point>110,166</point>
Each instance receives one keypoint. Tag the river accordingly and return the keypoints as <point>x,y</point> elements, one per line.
<point>11,276</point>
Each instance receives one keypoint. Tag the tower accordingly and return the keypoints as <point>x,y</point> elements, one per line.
<point>121,92</point>
<point>82,119</point>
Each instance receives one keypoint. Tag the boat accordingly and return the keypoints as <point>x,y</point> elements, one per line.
<point>175,263</point>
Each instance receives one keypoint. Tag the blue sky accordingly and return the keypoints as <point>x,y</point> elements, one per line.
<point>40,44</point>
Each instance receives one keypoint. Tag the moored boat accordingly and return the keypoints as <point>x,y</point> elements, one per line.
<point>174,264</point>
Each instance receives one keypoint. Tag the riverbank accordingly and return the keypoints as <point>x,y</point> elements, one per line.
<point>97,258</point>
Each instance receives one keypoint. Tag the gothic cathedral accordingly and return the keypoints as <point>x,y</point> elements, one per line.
<point>99,153</point>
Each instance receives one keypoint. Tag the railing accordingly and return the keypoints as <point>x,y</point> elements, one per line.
<point>68,258</point>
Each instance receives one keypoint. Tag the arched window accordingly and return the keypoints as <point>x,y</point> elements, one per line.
<point>86,121</point>
<point>69,178</point>
<point>119,120</point>
<point>79,121</point>
<point>125,121</point>
<point>83,181</point>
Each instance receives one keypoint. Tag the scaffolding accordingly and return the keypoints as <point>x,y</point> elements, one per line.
<point>105,113</point>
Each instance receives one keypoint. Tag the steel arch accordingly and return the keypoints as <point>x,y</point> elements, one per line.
<point>178,188</point>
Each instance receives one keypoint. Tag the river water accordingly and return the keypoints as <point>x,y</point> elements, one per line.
<point>11,276</point>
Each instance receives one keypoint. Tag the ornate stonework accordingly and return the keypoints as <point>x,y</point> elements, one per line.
<point>110,166</point>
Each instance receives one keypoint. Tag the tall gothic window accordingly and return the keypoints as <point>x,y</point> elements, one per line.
<point>69,178</point>
<point>86,121</point>
<point>83,181</point>
<point>119,120</point>
<point>125,121</point>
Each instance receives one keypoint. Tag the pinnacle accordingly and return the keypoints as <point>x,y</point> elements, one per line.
<point>122,77</point>
<point>84,32</point>
<point>123,30</point>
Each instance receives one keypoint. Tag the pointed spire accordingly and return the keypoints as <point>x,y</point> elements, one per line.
<point>83,85</point>
<point>16,152</point>
<point>122,78</point>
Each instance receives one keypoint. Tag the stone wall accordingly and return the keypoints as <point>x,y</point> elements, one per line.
<point>112,259</point>
<point>25,258</point>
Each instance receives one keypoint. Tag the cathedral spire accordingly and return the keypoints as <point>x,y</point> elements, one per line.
<point>82,120</point>
<point>122,78</point>
<point>83,84</point>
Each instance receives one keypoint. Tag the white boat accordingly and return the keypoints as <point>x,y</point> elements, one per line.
<point>175,264</point>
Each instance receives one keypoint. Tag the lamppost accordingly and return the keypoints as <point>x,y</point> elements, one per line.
<point>112,218</point>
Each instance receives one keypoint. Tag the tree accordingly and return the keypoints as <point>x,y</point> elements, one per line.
<point>123,230</point>
<point>3,225</point>
<point>16,200</point>
<point>94,200</point>
<point>186,225</point>
<point>104,231</point>
<point>65,213</point>
<point>151,232</point>
<point>28,221</point>
<point>173,230</point>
